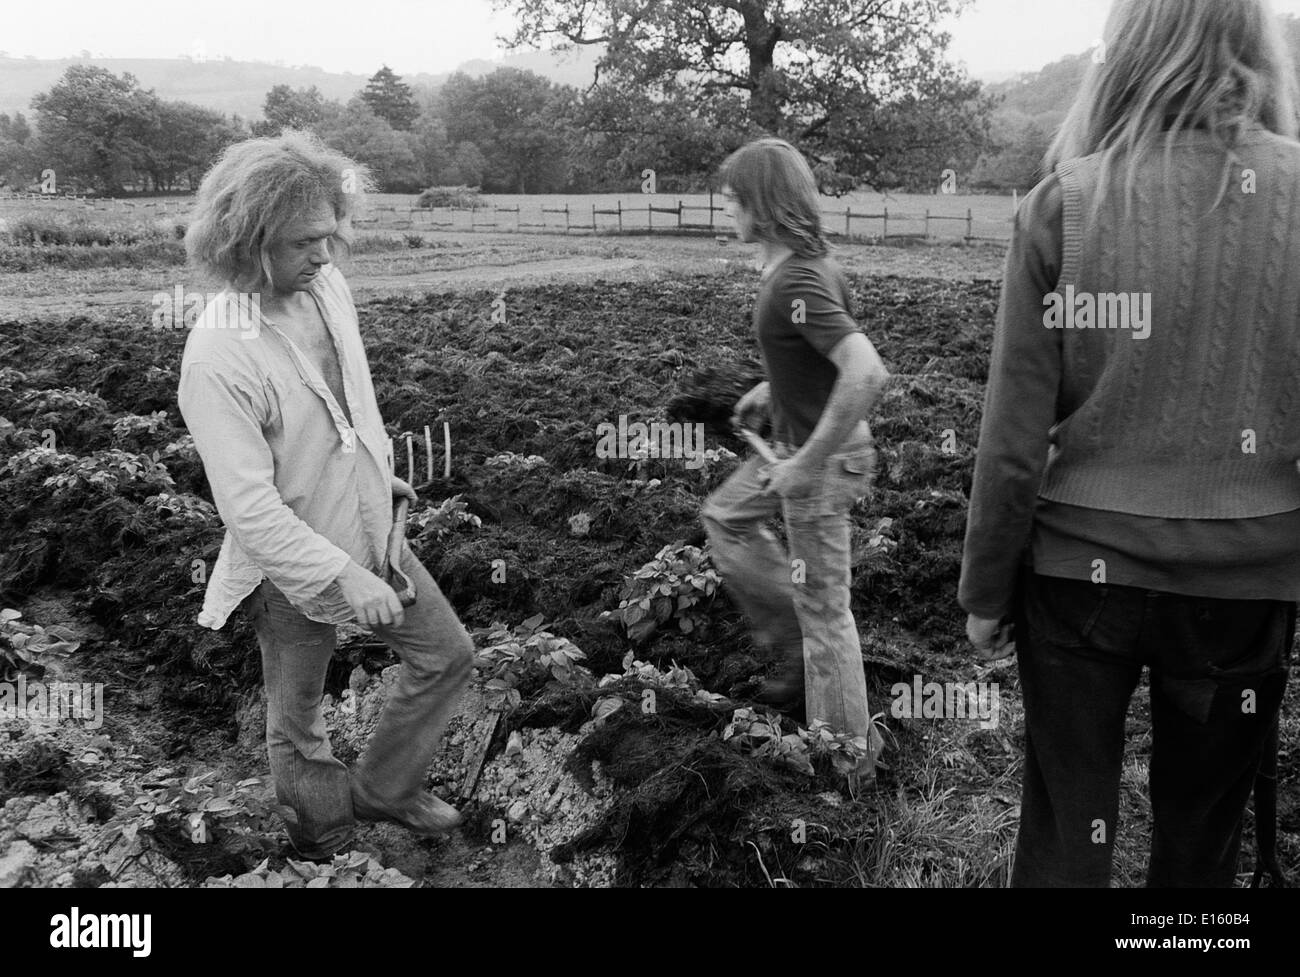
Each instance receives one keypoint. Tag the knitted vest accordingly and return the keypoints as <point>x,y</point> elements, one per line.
<point>1201,418</point>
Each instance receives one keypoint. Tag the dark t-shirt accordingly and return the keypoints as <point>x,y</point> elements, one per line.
<point>803,311</point>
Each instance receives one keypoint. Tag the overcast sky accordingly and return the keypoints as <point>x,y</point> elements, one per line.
<point>992,37</point>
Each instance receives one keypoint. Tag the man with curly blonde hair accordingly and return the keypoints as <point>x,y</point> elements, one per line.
<point>284,416</point>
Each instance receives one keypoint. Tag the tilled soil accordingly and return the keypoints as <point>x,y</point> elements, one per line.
<point>523,375</point>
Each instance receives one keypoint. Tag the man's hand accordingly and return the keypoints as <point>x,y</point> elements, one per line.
<point>991,638</point>
<point>401,488</point>
<point>753,408</point>
<point>371,599</point>
<point>788,479</point>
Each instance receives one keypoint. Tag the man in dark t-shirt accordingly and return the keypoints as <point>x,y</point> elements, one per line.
<point>796,341</point>
<point>825,375</point>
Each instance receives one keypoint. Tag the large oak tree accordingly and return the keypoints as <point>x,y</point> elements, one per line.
<point>862,86</point>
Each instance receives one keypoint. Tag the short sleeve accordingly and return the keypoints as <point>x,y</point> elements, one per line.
<point>812,299</point>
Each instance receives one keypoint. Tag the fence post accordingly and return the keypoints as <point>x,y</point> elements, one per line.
<point>927,223</point>
<point>885,237</point>
<point>970,224</point>
<point>620,217</point>
<point>679,213</point>
<point>710,208</point>
<point>848,228</point>
<point>566,218</point>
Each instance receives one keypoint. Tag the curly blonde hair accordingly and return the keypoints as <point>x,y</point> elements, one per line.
<point>773,181</point>
<point>255,189</point>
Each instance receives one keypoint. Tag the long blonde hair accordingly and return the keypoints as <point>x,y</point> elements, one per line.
<point>1218,65</point>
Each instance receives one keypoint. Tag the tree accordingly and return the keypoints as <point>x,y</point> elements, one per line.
<point>432,148</point>
<point>189,139</point>
<point>1015,162</point>
<point>862,86</point>
<point>18,166</point>
<point>467,166</point>
<point>519,122</point>
<point>96,126</point>
<point>368,139</point>
<point>622,135</point>
<point>289,108</point>
<point>15,129</point>
<point>390,99</point>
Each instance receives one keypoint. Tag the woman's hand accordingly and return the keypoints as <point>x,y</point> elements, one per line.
<point>991,638</point>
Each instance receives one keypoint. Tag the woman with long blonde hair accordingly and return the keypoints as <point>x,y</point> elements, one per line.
<point>1136,500</point>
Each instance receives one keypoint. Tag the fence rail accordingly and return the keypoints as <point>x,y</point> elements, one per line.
<point>622,219</point>
<point>163,205</point>
<point>605,219</point>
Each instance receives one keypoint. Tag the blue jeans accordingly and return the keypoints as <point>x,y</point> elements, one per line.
<point>1218,673</point>
<point>437,656</point>
<point>797,602</point>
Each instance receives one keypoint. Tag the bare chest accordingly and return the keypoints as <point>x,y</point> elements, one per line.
<point>309,333</point>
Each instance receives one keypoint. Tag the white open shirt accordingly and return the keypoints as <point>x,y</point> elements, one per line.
<point>301,490</point>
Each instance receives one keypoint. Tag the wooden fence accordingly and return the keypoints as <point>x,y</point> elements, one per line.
<point>681,218</point>
<point>143,205</point>
<point>655,217</point>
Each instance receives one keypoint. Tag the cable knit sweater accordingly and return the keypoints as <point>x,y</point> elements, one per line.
<point>1166,442</point>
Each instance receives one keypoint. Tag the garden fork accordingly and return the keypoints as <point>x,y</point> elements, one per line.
<point>398,580</point>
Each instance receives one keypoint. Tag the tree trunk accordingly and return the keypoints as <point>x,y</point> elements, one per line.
<point>761,37</point>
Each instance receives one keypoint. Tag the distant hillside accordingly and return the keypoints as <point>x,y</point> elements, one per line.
<point>1045,96</point>
<point>240,87</point>
<point>576,67</point>
<point>233,87</point>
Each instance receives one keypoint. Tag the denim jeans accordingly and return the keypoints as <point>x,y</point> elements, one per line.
<point>1218,670</point>
<point>436,655</point>
<point>797,602</point>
